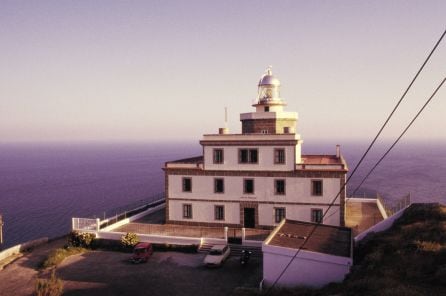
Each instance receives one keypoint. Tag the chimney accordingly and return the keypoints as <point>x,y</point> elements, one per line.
<point>223,131</point>
<point>338,151</point>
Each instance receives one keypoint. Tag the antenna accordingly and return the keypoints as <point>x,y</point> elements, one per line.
<point>226,117</point>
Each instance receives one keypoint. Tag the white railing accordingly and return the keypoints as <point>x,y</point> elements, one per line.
<point>85,224</point>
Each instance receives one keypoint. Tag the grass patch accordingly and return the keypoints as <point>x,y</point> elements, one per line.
<point>49,287</point>
<point>58,255</point>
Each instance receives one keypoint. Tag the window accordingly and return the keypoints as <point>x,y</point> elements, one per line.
<point>219,212</point>
<point>279,214</point>
<point>316,187</point>
<point>187,184</point>
<point>218,156</point>
<point>267,109</point>
<point>316,215</point>
<point>279,156</point>
<point>219,185</point>
<point>187,211</point>
<point>248,186</point>
<point>279,187</point>
<point>248,156</point>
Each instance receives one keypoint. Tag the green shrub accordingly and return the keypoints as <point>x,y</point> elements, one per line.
<point>58,255</point>
<point>80,239</point>
<point>49,287</point>
<point>129,240</point>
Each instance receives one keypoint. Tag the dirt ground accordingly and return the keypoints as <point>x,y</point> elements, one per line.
<point>18,278</point>
<point>110,273</point>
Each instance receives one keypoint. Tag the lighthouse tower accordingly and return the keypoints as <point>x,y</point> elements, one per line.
<point>257,178</point>
<point>269,117</point>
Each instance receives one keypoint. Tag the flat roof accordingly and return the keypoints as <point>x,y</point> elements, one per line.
<point>195,159</point>
<point>327,239</point>
<point>307,160</point>
<point>321,159</point>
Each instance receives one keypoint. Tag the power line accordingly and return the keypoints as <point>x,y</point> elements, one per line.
<point>362,158</point>
<point>401,135</point>
<point>331,204</point>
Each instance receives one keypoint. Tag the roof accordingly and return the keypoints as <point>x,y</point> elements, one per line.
<point>196,159</point>
<point>327,239</point>
<point>321,159</point>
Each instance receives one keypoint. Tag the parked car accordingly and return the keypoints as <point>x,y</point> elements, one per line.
<point>141,252</point>
<point>217,255</point>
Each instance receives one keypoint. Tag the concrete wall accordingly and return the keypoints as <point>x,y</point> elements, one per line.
<point>381,226</point>
<point>265,158</point>
<point>21,247</point>
<point>160,239</point>
<point>307,269</point>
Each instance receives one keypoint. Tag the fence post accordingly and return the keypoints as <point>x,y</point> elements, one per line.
<point>73,223</point>
<point>98,224</point>
<point>1,230</point>
<point>226,233</point>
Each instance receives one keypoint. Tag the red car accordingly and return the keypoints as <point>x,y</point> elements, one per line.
<point>141,252</point>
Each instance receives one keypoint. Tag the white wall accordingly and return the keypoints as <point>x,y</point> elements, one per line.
<point>204,212</point>
<point>307,269</point>
<point>265,159</point>
<point>297,189</point>
<point>297,212</point>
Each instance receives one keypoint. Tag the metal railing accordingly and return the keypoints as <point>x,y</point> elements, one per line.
<point>121,213</point>
<point>174,230</point>
<point>84,224</point>
<point>133,209</point>
<point>399,204</point>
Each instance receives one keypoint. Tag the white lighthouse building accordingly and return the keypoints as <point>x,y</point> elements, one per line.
<point>256,178</point>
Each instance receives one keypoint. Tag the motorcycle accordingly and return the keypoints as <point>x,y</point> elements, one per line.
<point>244,258</point>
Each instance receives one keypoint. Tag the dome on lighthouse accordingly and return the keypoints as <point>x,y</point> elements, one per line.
<point>269,79</point>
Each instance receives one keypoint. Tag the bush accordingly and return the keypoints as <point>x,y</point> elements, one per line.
<point>49,287</point>
<point>80,239</point>
<point>129,240</point>
<point>58,255</point>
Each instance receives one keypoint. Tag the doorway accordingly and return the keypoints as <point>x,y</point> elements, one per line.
<point>249,217</point>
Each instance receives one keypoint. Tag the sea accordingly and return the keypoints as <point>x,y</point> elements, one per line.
<point>44,185</point>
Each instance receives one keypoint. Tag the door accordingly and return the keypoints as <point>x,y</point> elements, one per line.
<point>249,217</point>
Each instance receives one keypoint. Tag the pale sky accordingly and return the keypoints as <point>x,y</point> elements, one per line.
<point>165,70</point>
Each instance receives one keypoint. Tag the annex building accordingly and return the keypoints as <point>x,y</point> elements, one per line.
<point>257,178</point>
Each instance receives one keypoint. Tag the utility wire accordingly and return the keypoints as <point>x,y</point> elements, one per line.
<point>401,135</point>
<point>360,161</point>
<point>331,204</point>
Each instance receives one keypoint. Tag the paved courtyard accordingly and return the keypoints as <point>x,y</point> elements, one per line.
<point>166,273</point>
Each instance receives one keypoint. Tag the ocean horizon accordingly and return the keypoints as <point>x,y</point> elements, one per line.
<point>43,185</point>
